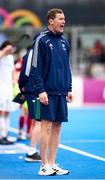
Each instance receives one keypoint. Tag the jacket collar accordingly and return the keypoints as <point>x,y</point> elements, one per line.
<point>49,32</point>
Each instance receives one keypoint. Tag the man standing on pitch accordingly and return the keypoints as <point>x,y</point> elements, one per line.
<point>51,80</point>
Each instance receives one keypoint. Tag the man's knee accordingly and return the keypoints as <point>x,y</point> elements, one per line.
<point>46,126</point>
<point>56,127</point>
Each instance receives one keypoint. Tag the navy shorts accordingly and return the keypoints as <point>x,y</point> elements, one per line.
<point>56,110</point>
<point>30,98</point>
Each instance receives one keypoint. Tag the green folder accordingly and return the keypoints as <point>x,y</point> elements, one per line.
<point>37,108</point>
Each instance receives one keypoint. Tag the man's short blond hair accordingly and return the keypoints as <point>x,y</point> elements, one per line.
<point>51,14</point>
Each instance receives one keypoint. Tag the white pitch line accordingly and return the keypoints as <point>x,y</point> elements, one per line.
<point>70,149</point>
<point>14,130</point>
<point>81,152</point>
<point>84,141</point>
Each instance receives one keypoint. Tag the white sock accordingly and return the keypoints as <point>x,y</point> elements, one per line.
<point>7,123</point>
<point>31,150</point>
<point>3,131</point>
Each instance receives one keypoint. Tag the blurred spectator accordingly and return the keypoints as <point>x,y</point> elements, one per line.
<point>95,60</point>
<point>95,52</point>
<point>102,55</point>
<point>98,47</point>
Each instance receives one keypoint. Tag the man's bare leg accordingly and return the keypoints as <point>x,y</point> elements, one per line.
<point>44,140</point>
<point>35,133</point>
<point>33,155</point>
<point>53,142</point>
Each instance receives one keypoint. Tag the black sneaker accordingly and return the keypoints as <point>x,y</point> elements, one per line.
<point>5,141</point>
<point>33,158</point>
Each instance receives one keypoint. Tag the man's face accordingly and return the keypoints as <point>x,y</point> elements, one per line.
<point>58,23</point>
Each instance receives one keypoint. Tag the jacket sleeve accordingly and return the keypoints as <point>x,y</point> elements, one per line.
<point>70,83</point>
<point>37,67</point>
<point>69,65</point>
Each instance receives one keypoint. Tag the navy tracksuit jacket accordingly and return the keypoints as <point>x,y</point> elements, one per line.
<point>50,70</point>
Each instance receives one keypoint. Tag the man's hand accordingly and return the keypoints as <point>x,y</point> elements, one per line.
<point>43,97</point>
<point>70,97</point>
